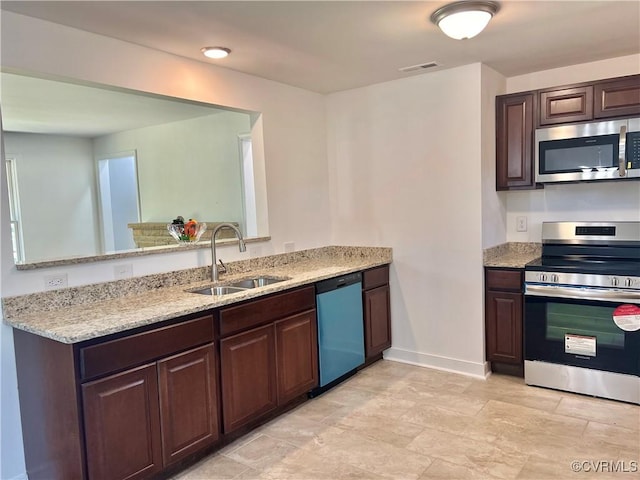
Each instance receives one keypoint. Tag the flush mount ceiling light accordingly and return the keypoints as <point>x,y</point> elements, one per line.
<point>462,20</point>
<point>215,52</point>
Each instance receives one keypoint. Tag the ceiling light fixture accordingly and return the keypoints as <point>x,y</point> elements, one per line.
<point>462,20</point>
<point>215,52</point>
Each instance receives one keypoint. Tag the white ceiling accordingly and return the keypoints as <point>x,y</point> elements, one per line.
<point>336,45</point>
<point>36,105</point>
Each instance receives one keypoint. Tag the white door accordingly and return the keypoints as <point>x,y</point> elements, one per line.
<point>248,186</point>
<point>119,200</point>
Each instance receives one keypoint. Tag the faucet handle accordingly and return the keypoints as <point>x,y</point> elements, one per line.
<point>222,268</point>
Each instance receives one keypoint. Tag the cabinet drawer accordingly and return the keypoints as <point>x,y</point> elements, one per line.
<point>257,312</point>
<point>115,355</point>
<point>375,277</point>
<point>498,279</point>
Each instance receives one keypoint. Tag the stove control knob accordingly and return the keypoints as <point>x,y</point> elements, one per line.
<point>628,282</point>
<point>614,281</point>
<point>554,278</point>
<point>543,277</point>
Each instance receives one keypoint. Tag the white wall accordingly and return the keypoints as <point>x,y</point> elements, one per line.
<point>198,176</point>
<point>405,168</point>
<point>57,189</point>
<point>494,204</point>
<point>11,455</point>
<point>582,201</point>
<point>293,123</point>
<point>607,201</point>
<point>583,72</point>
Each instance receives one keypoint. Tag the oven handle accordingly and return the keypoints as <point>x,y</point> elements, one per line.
<point>605,295</point>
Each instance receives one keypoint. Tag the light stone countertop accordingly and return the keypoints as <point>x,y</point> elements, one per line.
<point>77,314</point>
<point>511,254</point>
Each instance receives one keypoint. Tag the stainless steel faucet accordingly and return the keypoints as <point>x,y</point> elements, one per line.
<point>220,226</point>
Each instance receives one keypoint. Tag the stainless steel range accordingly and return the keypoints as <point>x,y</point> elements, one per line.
<point>582,310</point>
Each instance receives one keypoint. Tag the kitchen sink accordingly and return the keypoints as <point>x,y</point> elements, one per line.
<point>238,286</point>
<point>257,282</point>
<point>218,290</point>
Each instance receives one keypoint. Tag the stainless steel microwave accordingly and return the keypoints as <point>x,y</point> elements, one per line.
<point>606,150</point>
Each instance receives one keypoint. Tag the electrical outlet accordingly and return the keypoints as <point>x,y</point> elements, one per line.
<point>123,271</point>
<point>289,247</point>
<point>52,282</point>
<point>255,251</point>
<point>521,224</point>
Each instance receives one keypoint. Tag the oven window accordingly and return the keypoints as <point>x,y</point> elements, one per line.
<point>587,320</point>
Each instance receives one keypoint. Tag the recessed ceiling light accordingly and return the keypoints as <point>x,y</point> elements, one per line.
<point>465,19</point>
<point>215,52</point>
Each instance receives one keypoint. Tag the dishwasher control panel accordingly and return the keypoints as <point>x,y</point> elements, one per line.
<point>338,282</point>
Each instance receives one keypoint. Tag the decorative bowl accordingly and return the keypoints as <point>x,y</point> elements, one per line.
<point>186,233</point>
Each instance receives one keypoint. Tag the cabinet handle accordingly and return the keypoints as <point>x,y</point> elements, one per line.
<point>622,146</point>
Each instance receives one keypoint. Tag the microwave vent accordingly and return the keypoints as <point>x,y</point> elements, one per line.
<point>420,66</point>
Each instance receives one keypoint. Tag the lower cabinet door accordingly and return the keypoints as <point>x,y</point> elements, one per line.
<point>247,364</point>
<point>188,402</point>
<point>122,425</point>
<point>503,327</point>
<point>377,320</point>
<point>297,355</point>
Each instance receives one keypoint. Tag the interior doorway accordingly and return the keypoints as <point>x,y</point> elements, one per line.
<point>119,200</point>
<point>248,186</point>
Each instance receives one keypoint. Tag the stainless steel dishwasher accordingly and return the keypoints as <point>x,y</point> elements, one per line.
<point>340,329</point>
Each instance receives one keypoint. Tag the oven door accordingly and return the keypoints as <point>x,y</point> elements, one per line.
<point>576,326</point>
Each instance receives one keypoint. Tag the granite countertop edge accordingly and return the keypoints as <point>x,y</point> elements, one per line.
<point>511,254</point>
<point>87,321</point>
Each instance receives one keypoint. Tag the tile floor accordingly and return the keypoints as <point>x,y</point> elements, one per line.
<point>404,422</point>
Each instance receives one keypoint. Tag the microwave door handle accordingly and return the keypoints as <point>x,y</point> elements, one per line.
<point>622,163</point>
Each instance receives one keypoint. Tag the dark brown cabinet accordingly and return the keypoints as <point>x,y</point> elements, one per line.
<point>514,141</point>
<point>122,425</point>
<point>518,114</point>
<point>142,420</point>
<point>248,376</point>
<point>566,105</point>
<point>268,355</point>
<point>616,98</point>
<point>138,424</point>
<point>188,402</point>
<point>503,319</point>
<point>123,407</point>
<point>296,353</point>
<point>377,312</point>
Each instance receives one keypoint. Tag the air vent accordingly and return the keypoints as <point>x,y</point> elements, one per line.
<point>420,66</point>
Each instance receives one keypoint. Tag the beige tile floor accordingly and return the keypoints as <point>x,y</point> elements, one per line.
<point>404,422</point>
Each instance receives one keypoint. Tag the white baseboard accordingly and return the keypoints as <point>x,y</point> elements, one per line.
<point>464,367</point>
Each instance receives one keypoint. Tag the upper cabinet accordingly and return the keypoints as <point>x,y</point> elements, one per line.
<point>566,105</point>
<point>514,141</point>
<point>617,97</point>
<point>518,115</point>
